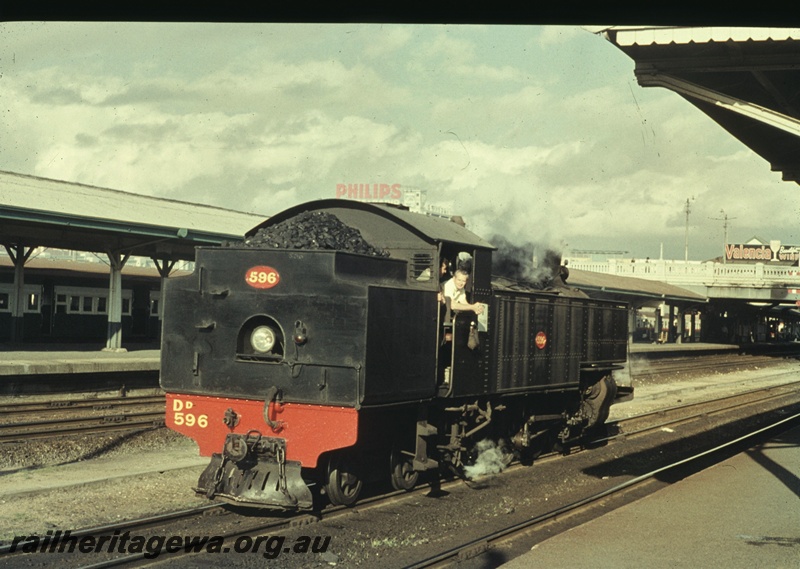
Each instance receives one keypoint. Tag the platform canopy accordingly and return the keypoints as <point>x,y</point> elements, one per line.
<point>638,292</point>
<point>745,79</point>
<point>38,212</point>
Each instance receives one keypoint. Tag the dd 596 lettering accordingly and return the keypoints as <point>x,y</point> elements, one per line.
<point>181,415</point>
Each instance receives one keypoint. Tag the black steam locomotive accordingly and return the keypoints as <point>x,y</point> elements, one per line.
<point>316,354</point>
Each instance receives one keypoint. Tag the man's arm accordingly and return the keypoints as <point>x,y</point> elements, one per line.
<point>476,307</point>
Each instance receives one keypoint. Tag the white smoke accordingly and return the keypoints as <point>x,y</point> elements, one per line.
<point>491,460</point>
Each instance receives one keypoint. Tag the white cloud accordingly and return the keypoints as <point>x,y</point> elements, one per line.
<point>548,135</point>
<point>488,72</point>
<point>554,35</point>
<point>390,39</point>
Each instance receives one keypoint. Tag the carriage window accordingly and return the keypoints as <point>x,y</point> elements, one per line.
<point>83,304</point>
<point>88,301</point>
<point>153,307</point>
<point>31,298</point>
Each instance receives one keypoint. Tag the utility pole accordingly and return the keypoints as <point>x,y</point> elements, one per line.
<point>686,209</point>
<point>724,219</point>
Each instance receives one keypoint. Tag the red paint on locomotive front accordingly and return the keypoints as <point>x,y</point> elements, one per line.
<point>309,430</point>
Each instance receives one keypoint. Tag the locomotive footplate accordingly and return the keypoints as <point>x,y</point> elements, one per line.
<point>253,471</point>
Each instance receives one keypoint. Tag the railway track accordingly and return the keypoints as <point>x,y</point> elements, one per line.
<point>24,421</point>
<point>641,369</point>
<point>277,523</point>
<point>25,408</point>
<point>18,432</point>
<point>668,417</point>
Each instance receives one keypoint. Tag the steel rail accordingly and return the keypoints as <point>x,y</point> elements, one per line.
<point>83,419</point>
<point>247,529</point>
<point>132,524</point>
<point>773,391</point>
<point>18,432</point>
<point>687,364</point>
<point>477,546</point>
<point>56,405</point>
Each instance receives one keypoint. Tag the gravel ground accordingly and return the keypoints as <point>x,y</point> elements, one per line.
<point>69,449</point>
<point>84,504</point>
<point>65,450</point>
<point>667,390</point>
<point>84,482</point>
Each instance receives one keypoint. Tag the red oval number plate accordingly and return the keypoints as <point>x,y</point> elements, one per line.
<point>262,277</point>
<point>541,340</point>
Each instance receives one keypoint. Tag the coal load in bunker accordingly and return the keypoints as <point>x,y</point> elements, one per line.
<point>319,355</point>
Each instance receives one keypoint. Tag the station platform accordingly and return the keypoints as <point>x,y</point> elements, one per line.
<point>741,513</point>
<point>639,348</point>
<point>654,351</point>
<point>63,359</point>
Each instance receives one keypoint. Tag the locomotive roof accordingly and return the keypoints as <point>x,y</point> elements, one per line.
<point>384,225</point>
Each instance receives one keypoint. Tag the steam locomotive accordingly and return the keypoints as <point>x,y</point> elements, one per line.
<point>306,363</point>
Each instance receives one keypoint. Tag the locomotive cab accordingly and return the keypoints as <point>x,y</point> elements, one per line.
<point>460,332</point>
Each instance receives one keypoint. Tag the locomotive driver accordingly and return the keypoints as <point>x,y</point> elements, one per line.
<point>454,290</point>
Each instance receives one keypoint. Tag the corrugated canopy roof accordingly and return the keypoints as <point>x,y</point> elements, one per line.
<point>629,289</point>
<point>745,79</point>
<point>665,35</point>
<point>44,212</point>
<point>81,268</point>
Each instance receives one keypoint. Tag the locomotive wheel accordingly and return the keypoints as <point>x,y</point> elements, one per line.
<point>343,486</point>
<point>404,477</point>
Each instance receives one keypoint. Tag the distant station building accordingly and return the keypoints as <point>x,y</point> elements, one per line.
<point>752,291</point>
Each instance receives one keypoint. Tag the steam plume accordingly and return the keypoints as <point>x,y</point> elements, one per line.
<point>491,460</point>
<point>536,264</point>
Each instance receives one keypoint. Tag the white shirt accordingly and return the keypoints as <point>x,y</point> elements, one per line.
<point>455,294</point>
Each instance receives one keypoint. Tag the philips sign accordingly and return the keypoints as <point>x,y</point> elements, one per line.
<point>369,191</point>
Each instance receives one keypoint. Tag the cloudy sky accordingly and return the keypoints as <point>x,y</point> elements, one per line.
<point>539,133</point>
